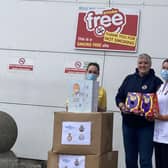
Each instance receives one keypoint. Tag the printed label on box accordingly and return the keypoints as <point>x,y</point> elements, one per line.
<point>71,161</point>
<point>76,133</point>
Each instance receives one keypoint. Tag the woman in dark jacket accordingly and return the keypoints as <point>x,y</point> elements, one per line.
<point>138,130</point>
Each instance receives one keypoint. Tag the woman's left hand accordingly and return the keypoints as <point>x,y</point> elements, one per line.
<point>150,118</point>
<point>158,116</point>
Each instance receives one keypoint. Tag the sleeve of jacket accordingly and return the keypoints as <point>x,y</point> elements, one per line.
<point>121,94</point>
<point>158,83</point>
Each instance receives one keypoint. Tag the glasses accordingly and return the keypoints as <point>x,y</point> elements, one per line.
<point>94,72</point>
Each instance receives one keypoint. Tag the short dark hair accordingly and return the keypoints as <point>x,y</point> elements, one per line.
<point>93,64</point>
<point>166,60</point>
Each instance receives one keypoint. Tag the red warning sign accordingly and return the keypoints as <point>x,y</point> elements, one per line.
<point>22,64</point>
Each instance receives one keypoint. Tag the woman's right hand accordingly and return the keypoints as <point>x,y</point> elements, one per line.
<point>123,108</point>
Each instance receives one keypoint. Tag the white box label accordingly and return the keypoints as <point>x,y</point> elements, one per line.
<point>71,161</point>
<point>76,133</point>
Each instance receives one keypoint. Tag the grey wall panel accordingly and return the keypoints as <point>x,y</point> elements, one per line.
<point>42,85</point>
<point>155,2</point>
<point>38,25</point>
<point>116,69</point>
<point>128,2</point>
<point>154,31</point>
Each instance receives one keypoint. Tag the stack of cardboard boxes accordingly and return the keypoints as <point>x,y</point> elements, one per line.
<point>82,140</point>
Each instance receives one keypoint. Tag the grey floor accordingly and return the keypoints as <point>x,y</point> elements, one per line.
<point>9,160</point>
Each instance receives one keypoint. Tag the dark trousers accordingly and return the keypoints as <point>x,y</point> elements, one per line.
<point>138,141</point>
<point>161,155</point>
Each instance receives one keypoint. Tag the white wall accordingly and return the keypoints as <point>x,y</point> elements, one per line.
<point>44,31</point>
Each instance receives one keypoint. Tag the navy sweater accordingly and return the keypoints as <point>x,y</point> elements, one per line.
<point>135,83</point>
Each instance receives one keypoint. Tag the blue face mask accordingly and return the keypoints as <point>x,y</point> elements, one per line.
<point>164,74</point>
<point>91,76</point>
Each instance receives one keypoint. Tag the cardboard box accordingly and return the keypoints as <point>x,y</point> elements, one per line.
<point>106,160</point>
<point>82,133</point>
<point>83,96</point>
<point>133,101</point>
<point>114,159</point>
<point>149,104</point>
<point>146,103</point>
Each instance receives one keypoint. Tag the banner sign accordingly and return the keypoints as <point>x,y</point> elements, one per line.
<point>110,29</point>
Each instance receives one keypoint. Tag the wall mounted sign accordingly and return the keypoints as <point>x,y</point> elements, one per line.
<point>110,29</point>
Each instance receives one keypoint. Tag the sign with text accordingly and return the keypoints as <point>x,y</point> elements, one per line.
<point>21,63</point>
<point>110,29</point>
<point>76,67</point>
